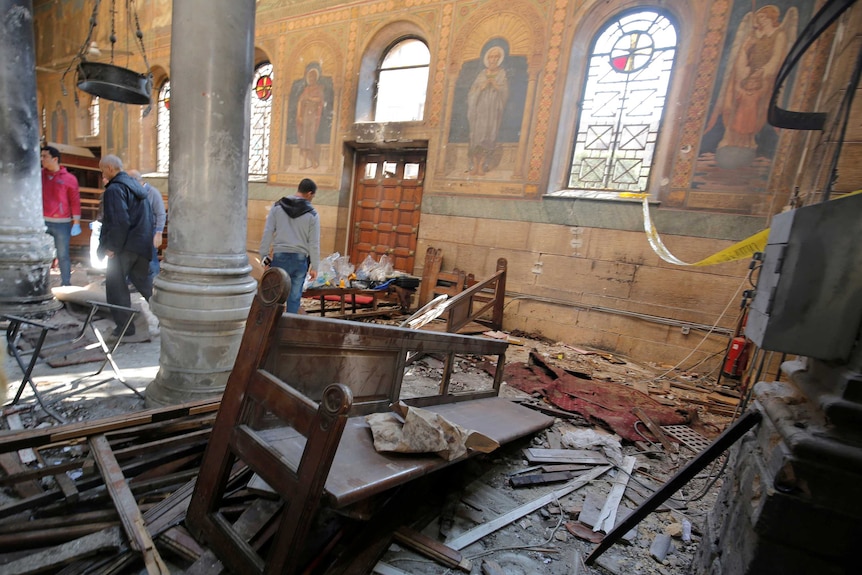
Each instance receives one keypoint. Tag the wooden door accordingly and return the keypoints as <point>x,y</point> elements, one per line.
<point>387,206</point>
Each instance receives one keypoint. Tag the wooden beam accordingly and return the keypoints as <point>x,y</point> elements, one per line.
<point>127,507</point>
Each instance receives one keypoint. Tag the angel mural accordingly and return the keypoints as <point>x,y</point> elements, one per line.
<point>760,45</point>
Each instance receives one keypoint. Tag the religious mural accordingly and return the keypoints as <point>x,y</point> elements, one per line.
<point>309,116</point>
<point>738,145</point>
<point>488,108</point>
<point>117,137</point>
<point>59,124</point>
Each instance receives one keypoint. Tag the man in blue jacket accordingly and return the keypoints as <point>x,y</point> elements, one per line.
<point>126,238</point>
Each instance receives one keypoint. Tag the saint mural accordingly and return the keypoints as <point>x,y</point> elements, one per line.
<point>485,104</point>
<point>489,100</point>
<point>309,115</point>
<point>309,110</point>
<point>59,124</point>
<point>760,44</point>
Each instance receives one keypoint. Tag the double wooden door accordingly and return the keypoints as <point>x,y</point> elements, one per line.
<point>387,206</point>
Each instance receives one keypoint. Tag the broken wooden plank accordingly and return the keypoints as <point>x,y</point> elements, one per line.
<point>608,514</point>
<point>15,440</point>
<point>542,478</point>
<point>435,550</point>
<point>127,507</point>
<point>582,456</point>
<point>26,455</point>
<point>480,531</point>
<point>52,559</point>
<point>13,467</point>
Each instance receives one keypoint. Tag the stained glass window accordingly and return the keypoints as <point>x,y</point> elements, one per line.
<point>93,113</point>
<point>402,80</point>
<point>627,81</point>
<point>261,113</point>
<point>163,129</point>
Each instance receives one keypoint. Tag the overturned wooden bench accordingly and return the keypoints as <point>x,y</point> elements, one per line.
<point>293,411</point>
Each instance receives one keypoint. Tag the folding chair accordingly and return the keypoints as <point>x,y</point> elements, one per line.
<point>13,335</point>
<point>102,344</point>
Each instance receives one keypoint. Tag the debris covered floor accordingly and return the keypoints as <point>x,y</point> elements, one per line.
<point>537,505</point>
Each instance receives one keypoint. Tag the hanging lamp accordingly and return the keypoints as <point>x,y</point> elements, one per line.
<point>107,80</point>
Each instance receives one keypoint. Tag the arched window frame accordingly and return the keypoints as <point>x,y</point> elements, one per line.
<point>373,55</point>
<point>93,116</point>
<point>163,128</point>
<point>260,120</point>
<point>408,75</point>
<point>592,24</point>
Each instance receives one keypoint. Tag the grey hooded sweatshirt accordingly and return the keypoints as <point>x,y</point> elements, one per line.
<point>292,226</point>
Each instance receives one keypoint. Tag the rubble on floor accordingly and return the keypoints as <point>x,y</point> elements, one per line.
<point>537,505</point>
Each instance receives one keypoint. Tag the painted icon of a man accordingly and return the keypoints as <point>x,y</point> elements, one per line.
<point>309,110</point>
<point>486,101</point>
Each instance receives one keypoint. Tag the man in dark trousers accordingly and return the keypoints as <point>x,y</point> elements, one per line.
<point>126,239</point>
<point>292,233</point>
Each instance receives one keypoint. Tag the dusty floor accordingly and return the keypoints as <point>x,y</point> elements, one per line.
<point>539,542</point>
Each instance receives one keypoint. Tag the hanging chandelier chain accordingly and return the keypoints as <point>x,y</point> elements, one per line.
<point>113,37</point>
<point>83,50</point>
<point>131,9</point>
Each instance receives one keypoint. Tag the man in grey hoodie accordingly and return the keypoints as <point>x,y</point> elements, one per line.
<point>126,238</point>
<point>292,233</point>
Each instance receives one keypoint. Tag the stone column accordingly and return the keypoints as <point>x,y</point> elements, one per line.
<point>26,251</point>
<point>204,290</point>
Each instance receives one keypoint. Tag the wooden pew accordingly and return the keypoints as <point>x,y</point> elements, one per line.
<point>293,411</point>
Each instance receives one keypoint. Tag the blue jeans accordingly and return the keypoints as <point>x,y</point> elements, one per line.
<point>296,266</point>
<point>62,232</point>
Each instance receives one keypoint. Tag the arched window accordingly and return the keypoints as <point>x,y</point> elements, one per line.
<point>163,129</point>
<point>261,114</point>
<point>402,80</point>
<point>93,116</point>
<point>623,100</point>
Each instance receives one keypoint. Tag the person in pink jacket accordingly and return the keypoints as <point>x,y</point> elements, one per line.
<point>61,207</point>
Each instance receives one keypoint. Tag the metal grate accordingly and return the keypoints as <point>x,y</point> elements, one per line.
<point>688,437</point>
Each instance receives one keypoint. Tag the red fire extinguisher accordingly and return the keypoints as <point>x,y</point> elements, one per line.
<point>737,357</point>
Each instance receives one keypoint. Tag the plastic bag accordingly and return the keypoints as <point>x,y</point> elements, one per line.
<point>326,274</point>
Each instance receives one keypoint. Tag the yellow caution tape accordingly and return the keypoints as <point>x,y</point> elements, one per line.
<point>740,250</point>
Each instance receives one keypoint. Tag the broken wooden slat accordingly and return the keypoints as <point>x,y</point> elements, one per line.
<point>13,467</point>
<point>434,549</point>
<point>482,530</point>
<point>608,514</point>
<point>582,456</point>
<point>26,455</point>
<point>35,538</point>
<point>52,559</point>
<point>15,440</point>
<point>541,478</point>
<point>181,543</point>
<point>127,507</point>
